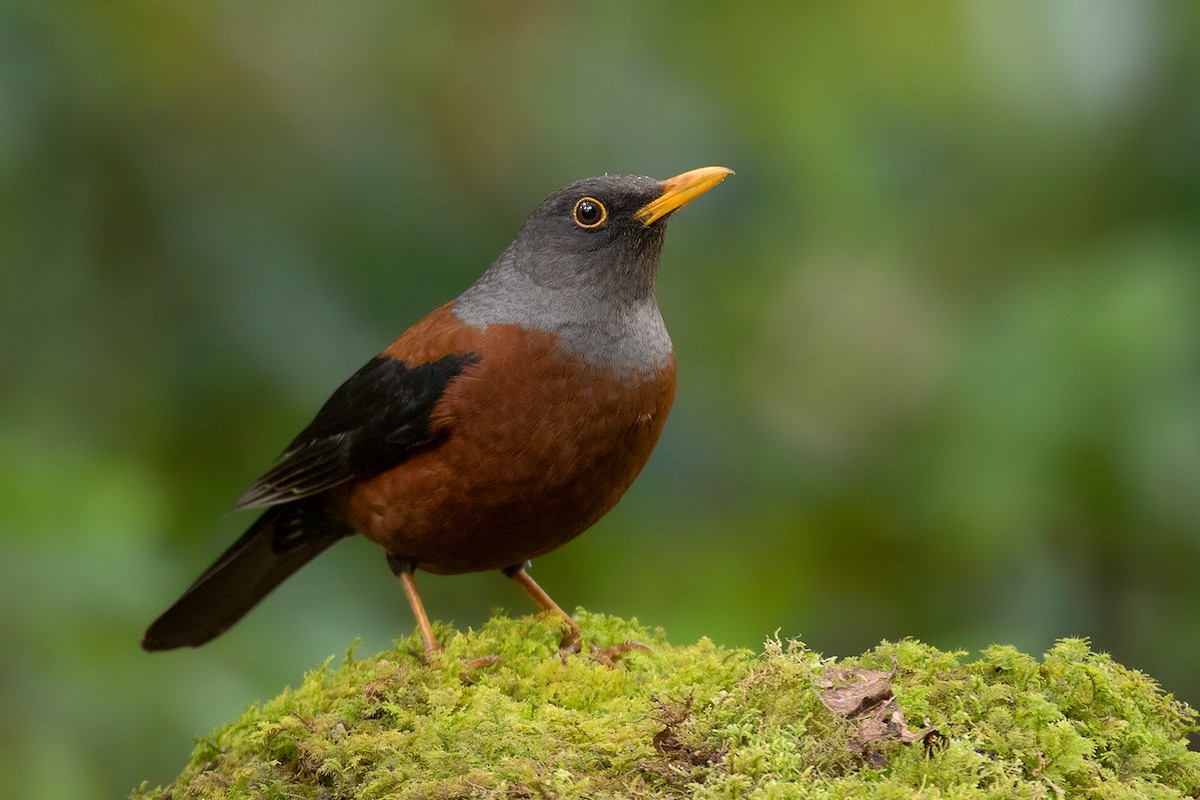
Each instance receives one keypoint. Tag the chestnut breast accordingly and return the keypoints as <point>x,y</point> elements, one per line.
<point>530,446</point>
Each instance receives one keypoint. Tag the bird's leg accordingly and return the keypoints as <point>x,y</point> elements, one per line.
<point>403,569</point>
<point>572,632</point>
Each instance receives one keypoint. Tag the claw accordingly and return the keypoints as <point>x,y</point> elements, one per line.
<point>480,662</point>
<point>608,655</point>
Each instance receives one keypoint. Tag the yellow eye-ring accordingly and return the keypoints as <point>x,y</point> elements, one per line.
<point>590,213</point>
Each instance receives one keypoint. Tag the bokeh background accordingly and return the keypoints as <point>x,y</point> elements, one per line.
<point>938,340</point>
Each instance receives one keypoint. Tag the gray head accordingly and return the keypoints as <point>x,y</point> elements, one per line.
<point>583,266</point>
<point>586,236</point>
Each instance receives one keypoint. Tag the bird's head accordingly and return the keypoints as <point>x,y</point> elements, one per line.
<point>605,234</point>
<point>582,267</point>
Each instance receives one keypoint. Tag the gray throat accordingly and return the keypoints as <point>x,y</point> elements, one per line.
<point>622,333</point>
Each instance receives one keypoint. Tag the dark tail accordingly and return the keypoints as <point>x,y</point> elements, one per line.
<point>281,541</point>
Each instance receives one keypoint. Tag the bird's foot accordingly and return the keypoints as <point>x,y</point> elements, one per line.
<point>433,658</point>
<point>608,655</point>
<point>480,662</point>
<point>470,668</point>
<point>605,655</point>
<point>429,656</point>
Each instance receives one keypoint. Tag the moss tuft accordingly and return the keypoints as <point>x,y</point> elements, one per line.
<point>702,721</point>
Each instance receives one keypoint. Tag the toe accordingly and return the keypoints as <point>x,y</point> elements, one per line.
<point>608,655</point>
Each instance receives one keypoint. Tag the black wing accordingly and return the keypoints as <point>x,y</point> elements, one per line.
<point>369,424</point>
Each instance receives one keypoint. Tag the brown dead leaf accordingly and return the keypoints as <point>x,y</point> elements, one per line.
<point>865,697</point>
<point>854,692</point>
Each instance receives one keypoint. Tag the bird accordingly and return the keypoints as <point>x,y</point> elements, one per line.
<point>494,430</point>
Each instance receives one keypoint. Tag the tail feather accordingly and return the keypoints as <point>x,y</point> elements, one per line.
<point>282,540</point>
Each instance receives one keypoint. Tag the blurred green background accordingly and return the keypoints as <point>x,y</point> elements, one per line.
<point>938,340</point>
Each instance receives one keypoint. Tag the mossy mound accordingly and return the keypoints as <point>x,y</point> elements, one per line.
<point>702,721</point>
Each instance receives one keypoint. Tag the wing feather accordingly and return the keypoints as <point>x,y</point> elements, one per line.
<point>371,423</point>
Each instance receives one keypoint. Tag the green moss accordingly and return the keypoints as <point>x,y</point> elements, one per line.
<point>700,721</point>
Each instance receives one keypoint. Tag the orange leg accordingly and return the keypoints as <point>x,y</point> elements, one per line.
<point>572,632</point>
<point>403,569</point>
<point>546,603</point>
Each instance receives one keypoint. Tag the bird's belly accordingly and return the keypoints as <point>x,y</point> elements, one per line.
<point>525,461</point>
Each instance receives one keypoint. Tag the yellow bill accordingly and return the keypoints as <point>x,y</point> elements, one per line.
<point>681,190</point>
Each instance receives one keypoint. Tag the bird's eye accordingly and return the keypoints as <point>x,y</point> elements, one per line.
<point>590,213</point>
